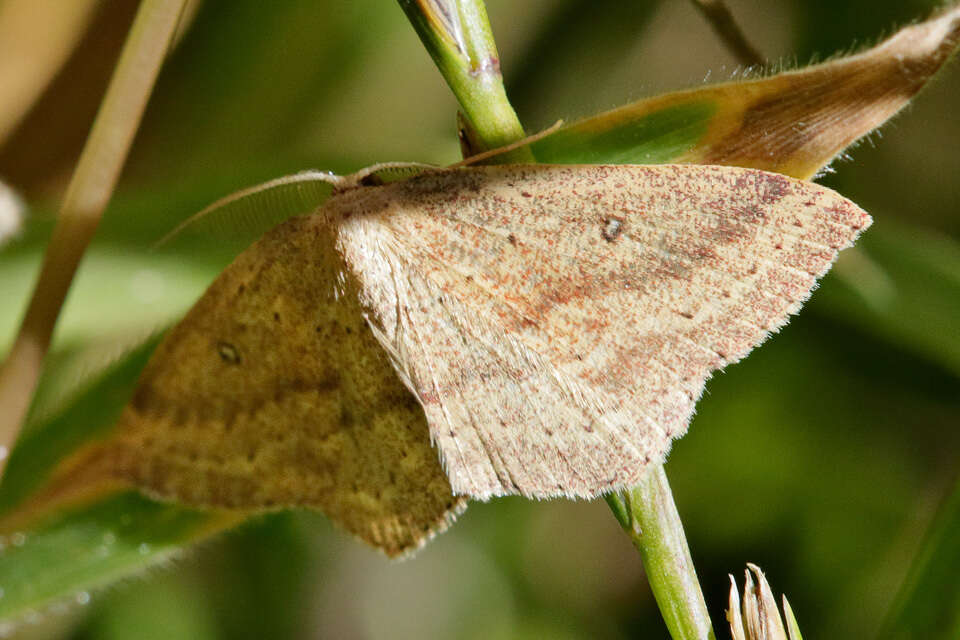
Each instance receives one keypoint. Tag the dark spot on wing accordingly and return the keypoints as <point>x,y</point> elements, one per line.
<point>228,353</point>
<point>612,228</point>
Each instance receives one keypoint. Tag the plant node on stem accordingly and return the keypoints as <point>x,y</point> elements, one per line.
<point>457,35</point>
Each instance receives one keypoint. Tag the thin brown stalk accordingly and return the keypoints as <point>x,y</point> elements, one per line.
<point>87,196</point>
<point>723,23</point>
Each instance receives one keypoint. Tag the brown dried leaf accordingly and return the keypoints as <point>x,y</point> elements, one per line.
<point>813,114</point>
<point>556,325</point>
<point>792,123</point>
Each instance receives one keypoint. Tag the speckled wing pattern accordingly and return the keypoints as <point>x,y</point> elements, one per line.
<point>273,392</point>
<point>558,323</point>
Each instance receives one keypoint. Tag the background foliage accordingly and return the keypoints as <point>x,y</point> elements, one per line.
<point>821,458</point>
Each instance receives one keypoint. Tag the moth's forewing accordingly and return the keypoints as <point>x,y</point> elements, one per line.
<point>558,323</point>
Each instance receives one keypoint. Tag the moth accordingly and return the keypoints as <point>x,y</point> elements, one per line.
<point>541,330</point>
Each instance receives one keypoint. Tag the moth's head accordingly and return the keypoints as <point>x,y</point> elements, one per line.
<point>380,174</point>
<point>360,179</point>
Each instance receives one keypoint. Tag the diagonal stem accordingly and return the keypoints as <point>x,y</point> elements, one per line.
<point>720,18</point>
<point>87,196</point>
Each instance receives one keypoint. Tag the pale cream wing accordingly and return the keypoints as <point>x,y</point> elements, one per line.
<point>272,392</point>
<point>558,323</point>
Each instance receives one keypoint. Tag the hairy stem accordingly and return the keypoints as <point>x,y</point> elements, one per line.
<point>87,196</point>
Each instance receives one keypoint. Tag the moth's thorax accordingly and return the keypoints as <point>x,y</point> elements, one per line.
<point>357,203</point>
<point>353,202</point>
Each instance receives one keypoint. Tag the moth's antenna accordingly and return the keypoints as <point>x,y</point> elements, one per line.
<point>510,147</point>
<point>303,176</point>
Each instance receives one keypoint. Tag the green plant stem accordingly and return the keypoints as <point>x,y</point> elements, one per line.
<point>648,514</point>
<point>87,196</point>
<point>457,35</point>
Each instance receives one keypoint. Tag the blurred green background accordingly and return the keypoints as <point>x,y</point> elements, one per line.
<point>821,458</point>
